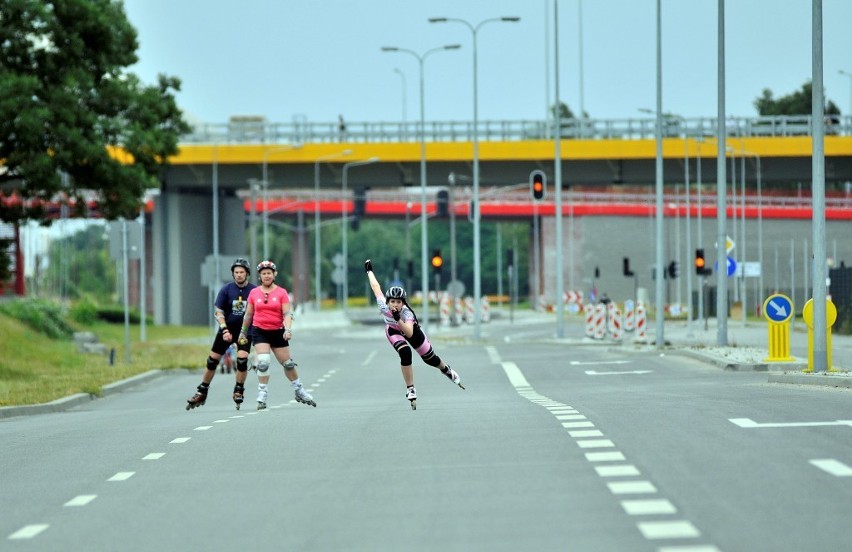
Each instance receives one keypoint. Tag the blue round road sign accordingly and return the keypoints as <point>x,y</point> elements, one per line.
<point>778,308</point>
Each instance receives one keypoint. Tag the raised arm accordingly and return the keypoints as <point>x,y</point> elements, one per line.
<point>374,284</point>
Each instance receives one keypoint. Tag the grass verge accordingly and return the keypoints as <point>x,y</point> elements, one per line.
<point>36,369</point>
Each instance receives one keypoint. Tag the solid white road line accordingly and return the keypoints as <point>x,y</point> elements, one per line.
<point>749,423</point>
<point>688,548</point>
<point>80,500</point>
<point>668,529</point>
<point>28,531</point>
<point>631,487</point>
<point>180,440</point>
<point>595,363</point>
<point>154,456</point>
<point>832,466</point>
<point>493,355</point>
<point>596,373</point>
<point>654,506</point>
<point>121,476</point>
<point>516,377</point>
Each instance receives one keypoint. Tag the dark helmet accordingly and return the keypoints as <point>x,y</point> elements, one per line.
<point>266,264</point>
<point>395,292</point>
<point>243,263</point>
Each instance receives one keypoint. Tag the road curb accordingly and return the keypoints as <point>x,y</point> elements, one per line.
<point>829,380</point>
<point>78,399</point>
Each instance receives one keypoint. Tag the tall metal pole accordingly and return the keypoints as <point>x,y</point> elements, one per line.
<point>699,222</point>
<point>317,237</point>
<point>424,238</point>
<point>819,261</point>
<point>848,74</point>
<point>477,254</point>
<point>399,72</point>
<point>557,181</point>
<point>344,220</point>
<point>721,207</point>
<point>265,174</point>
<point>660,260</point>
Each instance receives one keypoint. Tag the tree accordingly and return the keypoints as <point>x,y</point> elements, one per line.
<point>68,105</point>
<point>797,103</point>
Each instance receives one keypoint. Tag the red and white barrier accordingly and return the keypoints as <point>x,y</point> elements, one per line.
<point>445,309</point>
<point>629,315</point>
<point>469,312</point>
<point>641,322</point>
<point>615,324</point>
<point>600,321</point>
<point>458,314</point>
<point>485,309</point>
<point>589,312</point>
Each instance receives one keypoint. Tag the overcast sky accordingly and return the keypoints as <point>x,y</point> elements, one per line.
<point>317,59</point>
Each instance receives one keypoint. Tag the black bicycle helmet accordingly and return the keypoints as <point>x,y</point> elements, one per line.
<point>266,264</point>
<point>395,292</point>
<point>243,263</point>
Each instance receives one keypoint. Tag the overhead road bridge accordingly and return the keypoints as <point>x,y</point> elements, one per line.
<point>598,154</point>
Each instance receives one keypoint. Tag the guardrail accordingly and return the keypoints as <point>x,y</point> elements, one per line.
<point>247,130</point>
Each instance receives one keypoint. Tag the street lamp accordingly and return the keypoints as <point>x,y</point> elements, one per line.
<point>424,243</point>
<point>345,218</point>
<point>266,154</point>
<point>317,239</point>
<point>477,269</point>
<point>399,72</point>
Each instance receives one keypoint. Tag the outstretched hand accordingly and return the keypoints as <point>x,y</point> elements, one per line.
<point>368,266</point>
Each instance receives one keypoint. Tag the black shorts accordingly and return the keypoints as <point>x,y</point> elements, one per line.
<point>275,338</point>
<point>220,346</point>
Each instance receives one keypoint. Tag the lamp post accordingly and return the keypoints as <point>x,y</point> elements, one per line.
<point>477,268</point>
<point>317,238</point>
<point>265,183</point>
<point>345,219</point>
<point>424,242</point>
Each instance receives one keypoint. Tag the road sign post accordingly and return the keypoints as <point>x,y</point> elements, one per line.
<point>830,319</point>
<point>778,310</point>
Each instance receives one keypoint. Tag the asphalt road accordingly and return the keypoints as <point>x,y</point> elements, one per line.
<point>551,447</point>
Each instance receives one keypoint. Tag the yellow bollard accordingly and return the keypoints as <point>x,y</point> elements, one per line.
<point>830,319</point>
<point>778,310</point>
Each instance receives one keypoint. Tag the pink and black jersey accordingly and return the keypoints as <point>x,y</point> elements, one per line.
<point>268,311</point>
<point>405,314</point>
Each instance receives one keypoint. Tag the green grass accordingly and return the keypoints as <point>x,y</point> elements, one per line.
<point>36,369</point>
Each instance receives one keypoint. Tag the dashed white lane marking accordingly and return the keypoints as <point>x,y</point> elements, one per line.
<point>493,355</point>
<point>369,359</point>
<point>180,440</point>
<point>221,421</point>
<point>623,373</point>
<point>236,416</point>
<point>596,363</point>
<point>81,500</point>
<point>832,466</point>
<point>595,443</point>
<point>625,470</point>
<point>154,456</point>
<point>202,428</point>
<point>571,417</point>
<point>604,456</point>
<point>121,476</point>
<point>631,487</point>
<point>668,529</point>
<point>28,531</point>
<point>648,507</point>
<point>585,433</point>
<point>568,425</point>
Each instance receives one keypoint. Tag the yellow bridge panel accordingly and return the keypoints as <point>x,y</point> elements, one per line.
<point>531,150</point>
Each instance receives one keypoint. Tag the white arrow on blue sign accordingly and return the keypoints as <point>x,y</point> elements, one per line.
<point>731,266</point>
<point>778,308</point>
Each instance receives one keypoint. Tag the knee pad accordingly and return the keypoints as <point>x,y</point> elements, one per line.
<point>242,364</point>
<point>404,355</point>
<point>212,364</point>
<point>263,363</point>
<point>289,364</point>
<point>431,358</point>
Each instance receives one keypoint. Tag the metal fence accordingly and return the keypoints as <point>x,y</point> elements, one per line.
<point>256,130</point>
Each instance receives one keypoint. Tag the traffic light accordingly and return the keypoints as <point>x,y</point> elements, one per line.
<point>700,264</point>
<point>442,203</point>
<point>537,184</point>
<point>673,270</point>
<point>360,201</point>
<point>437,261</point>
<point>627,271</point>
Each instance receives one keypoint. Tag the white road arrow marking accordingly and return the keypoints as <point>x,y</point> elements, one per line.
<point>749,423</point>
<point>578,363</point>
<point>779,309</point>
<point>596,373</point>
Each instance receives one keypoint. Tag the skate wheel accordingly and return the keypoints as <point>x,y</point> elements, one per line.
<point>460,385</point>
<point>188,406</point>
<point>414,404</point>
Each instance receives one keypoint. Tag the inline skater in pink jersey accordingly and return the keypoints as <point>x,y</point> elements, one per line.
<point>271,322</point>
<point>404,333</point>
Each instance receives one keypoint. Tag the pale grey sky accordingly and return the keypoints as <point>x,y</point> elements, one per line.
<point>316,59</point>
